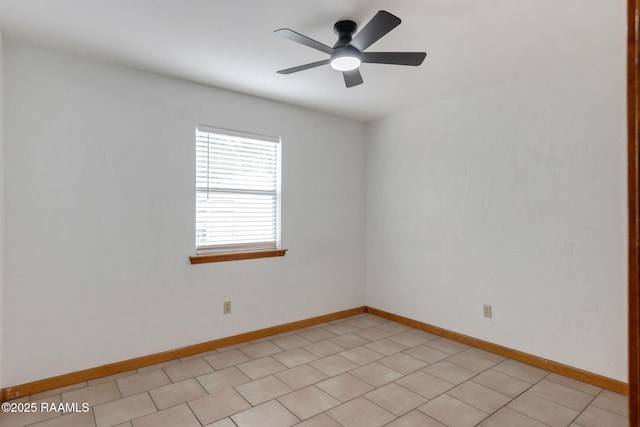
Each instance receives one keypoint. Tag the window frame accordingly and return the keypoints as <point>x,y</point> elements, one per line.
<point>239,250</point>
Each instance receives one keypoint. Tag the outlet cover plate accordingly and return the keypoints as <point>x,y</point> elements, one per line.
<point>486,311</point>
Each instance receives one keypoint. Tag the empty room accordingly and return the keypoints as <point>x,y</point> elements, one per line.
<point>340,213</point>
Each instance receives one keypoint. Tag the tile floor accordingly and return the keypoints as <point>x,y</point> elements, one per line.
<point>362,371</point>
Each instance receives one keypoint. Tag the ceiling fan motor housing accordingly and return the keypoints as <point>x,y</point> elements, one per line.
<point>345,57</point>
<point>345,31</point>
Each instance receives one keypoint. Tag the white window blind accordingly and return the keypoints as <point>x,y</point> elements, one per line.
<point>237,190</point>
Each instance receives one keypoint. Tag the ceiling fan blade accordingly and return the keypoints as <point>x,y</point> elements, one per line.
<point>352,78</point>
<point>395,58</point>
<point>304,67</point>
<point>299,38</point>
<point>380,24</point>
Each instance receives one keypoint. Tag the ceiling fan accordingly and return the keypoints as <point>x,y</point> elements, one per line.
<point>347,53</point>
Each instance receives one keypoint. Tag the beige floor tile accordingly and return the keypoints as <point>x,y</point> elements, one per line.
<point>232,347</point>
<point>471,361</point>
<point>424,384</point>
<point>344,387</point>
<point>575,384</point>
<point>453,412</point>
<point>402,363</point>
<point>320,420</point>
<point>223,423</point>
<point>612,402</point>
<point>394,327</point>
<point>479,396</point>
<point>376,374</point>
<point>449,372</point>
<point>263,339</point>
<point>426,354</point>
<point>300,376</point>
<point>59,390</point>
<point>424,334</point>
<point>291,341</point>
<point>158,366</point>
<point>416,419</point>
<point>285,334</point>
<point>333,365</point>
<point>562,395</point>
<point>127,424</point>
<point>113,377</point>
<point>501,383</point>
<point>270,414</point>
<point>79,419</point>
<point>408,339</point>
<point>125,409</point>
<point>226,359</point>
<point>94,394</point>
<point>189,369</point>
<point>349,341</point>
<point>199,355</point>
<point>373,334</point>
<point>360,412</point>
<point>361,355</point>
<point>447,345</point>
<point>505,417</point>
<point>379,320</point>
<point>386,346</point>
<point>363,322</point>
<point>316,334</point>
<point>259,391</point>
<point>597,417</point>
<point>395,399</point>
<point>47,402</point>
<point>173,417</point>
<point>19,419</point>
<point>340,328</point>
<point>177,393</point>
<point>218,406</point>
<point>261,367</point>
<point>323,348</point>
<point>496,358</point>
<point>294,357</point>
<point>308,402</point>
<point>522,371</point>
<point>222,380</point>
<point>260,350</point>
<point>545,411</point>
<point>138,383</point>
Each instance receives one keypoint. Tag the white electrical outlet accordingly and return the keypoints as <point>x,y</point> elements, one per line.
<point>227,307</point>
<point>486,310</point>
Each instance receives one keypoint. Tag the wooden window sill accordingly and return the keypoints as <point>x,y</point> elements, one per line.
<point>235,256</point>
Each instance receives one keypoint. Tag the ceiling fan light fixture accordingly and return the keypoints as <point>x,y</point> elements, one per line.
<point>345,63</point>
<point>345,59</point>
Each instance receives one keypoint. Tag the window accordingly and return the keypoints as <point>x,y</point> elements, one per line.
<point>237,191</point>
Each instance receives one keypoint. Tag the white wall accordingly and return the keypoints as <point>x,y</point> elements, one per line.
<point>100,216</point>
<point>515,196</point>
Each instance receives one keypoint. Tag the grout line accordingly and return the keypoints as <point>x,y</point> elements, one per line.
<point>603,409</point>
<point>585,408</point>
<point>193,413</point>
<point>479,373</point>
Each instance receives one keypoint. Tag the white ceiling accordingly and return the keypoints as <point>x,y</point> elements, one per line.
<point>470,44</point>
